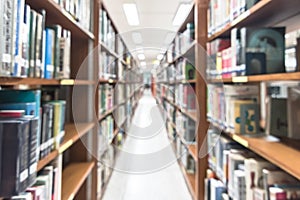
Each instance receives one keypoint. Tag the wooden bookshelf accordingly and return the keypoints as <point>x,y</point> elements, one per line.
<point>58,15</point>
<point>110,81</point>
<point>72,134</point>
<point>73,177</point>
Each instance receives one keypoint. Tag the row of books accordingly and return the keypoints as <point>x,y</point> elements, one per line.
<point>181,43</point>
<point>106,98</point>
<point>235,108</point>
<point>240,174</point>
<point>185,158</point>
<point>29,49</point>
<point>221,13</point>
<point>180,71</point>
<point>29,131</point>
<point>186,127</point>
<point>248,51</point>
<point>108,66</point>
<point>80,10</point>
<point>108,33</point>
<point>106,128</point>
<point>185,97</point>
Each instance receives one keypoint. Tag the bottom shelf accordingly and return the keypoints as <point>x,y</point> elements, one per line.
<point>73,177</point>
<point>190,180</point>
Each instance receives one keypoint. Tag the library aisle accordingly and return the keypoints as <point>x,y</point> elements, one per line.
<point>145,170</point>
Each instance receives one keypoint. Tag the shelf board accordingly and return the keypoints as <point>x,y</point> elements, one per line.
<point>46,160</point>
<point>291,76</point>
<point>272,149</point>
<point>73,177</point>
<point>264,9</point>
<point>72,134</point>
<point>11,81</point>
<point>111,81</point>
<point>193,151</point>
<point>190,180</point>
<point>110,111</point>
<point>58,15</point>
<point>105,48</point>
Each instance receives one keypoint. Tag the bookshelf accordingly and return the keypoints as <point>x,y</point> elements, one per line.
<point>74,159</point>
<point>279,151</point>
<point>121,88</point>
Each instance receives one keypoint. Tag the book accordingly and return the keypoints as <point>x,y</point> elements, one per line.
<point>276,117</point>
<point>14,166</point>
<point>38,59</point>
<point>57,37</point>
<point>32,40</point>
<point>254,175</point>
<point>49,53</point>
<point>269,41</point>
<point>19,18</point>
<point>65,55</point>
<point>249,116</point>
<point>293,110</point>
<point>6,50</point>
<point>275,176</point>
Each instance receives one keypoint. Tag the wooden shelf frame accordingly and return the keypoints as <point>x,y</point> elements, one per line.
<point>72,134</point>
<point>60,16</point>
<point>73,177</point>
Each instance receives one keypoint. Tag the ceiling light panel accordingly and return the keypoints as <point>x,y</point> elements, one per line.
<point>131,14</point>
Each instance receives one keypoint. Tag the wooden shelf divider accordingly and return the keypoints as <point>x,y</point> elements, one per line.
<point>73,177</point>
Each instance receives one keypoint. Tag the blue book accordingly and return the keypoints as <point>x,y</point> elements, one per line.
<point>18,38</point>
<point>49,54</point>
<point>29,108</point>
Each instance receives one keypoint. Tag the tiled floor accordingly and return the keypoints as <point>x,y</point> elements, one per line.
<point>146,168</point>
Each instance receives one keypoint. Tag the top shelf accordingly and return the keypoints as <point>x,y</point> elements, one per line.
<point>60,16</point>
<point>264,13</point>
<point>293,76</point>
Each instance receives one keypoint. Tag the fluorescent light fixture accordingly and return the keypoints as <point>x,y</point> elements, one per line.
<point>155,62</point>
<point>143,64</point>
<point>141,56</point>
<point>131,13</point>
<point>160,56</point>
<point>181,13</point>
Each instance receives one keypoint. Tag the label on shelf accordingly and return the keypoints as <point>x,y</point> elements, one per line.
<point>240,79</point>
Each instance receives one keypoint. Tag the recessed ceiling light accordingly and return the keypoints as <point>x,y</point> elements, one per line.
<point>181,13</point>
<point>131,13</point>
<point>141,56</point>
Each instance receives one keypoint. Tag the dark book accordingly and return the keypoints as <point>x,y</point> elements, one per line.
<point>38,59</point>
<point>14,166</point>
<point>268,41</point>
<point>276,118</point>
<point>293,107</point>
<point>32,40</point>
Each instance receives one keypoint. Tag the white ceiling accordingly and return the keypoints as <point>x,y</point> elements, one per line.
<point>155,31</point>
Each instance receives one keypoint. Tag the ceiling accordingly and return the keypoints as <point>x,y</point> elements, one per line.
<point>155,31</point>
